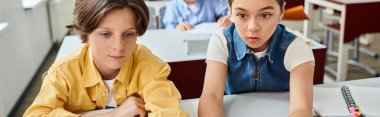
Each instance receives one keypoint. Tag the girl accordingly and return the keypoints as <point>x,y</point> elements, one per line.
<point>254,54</point>
<point>110,70</point>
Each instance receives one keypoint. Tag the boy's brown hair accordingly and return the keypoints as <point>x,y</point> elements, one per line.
<point>88,13</point>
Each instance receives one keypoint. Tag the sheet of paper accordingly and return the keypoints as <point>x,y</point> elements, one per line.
<point>205,28</point>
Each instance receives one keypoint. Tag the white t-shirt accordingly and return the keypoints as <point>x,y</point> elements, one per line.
<point>110,100</point>
<point>298,51</point>
<point>193,8</point>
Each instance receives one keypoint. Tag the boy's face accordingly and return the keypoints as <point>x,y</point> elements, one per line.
<point>190,1</point>
<point>256,21</point>
<point>113,41</point>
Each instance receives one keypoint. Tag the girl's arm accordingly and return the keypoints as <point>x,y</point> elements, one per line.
<point>301,90</point>
<point>211,100</point>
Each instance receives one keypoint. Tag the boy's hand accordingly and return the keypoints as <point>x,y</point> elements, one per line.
<point>131,107</point>
<point>224,21</point>
<point>184,26</point>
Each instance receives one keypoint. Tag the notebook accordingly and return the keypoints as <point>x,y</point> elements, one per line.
<point>336,101</point>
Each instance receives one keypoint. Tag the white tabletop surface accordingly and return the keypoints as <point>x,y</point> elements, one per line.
<point>169,45</point>
<point>274,104</point>
<point>247,105</point>
<point>271,104</point>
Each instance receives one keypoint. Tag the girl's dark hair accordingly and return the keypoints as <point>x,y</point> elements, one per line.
<point>88,13</point>
<point>280,2</point>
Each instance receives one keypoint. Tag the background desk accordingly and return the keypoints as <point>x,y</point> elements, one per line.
<point>357,17</point>
<point>187,70</point>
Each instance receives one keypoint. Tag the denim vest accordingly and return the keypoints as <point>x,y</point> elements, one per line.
<point>246,74</point>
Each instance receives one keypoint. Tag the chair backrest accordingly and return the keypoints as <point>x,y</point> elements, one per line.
<point>162,13</point>
<point>295,13</point>
<point>152,18</point>
<point>293,3</point>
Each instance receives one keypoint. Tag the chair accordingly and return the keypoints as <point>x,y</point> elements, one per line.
<point>162,13</point>
<point>153,23</point>
<point>297,13</point>
<point>334,27</point>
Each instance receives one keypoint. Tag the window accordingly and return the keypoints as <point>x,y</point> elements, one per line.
<point>3,25</point>
<point>30,4</point>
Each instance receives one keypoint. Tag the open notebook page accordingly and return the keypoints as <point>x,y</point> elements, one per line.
<point>367,98</point>
<point>329,102</point>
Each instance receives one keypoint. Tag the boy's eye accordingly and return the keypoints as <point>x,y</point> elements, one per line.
<point>129,34</point>
<point>241,16</point>
<point>105,35</point>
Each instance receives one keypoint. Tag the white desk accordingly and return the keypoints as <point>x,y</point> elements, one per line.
<point>363,11</point>
<point>264,104</point>
<point>370,82</point>
<point>261,104</point>
<point>247,105</point>
<point>243,105</point>
<point>169,45</point>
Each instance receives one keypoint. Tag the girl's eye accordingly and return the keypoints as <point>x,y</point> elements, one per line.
<point>265,15</point>
<point>129,34</point>
<point>241,16</point>
<point>105,35</point>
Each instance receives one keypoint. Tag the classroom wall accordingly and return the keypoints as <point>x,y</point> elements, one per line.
<point>61,15</point>
<point>23,46</point>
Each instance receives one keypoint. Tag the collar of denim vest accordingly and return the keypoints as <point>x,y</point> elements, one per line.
<point>242,49</point>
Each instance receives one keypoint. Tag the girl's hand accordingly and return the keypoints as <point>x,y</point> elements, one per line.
<point>131,107</point>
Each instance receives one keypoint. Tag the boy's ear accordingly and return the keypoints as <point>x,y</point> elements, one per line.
<point>84,38</point>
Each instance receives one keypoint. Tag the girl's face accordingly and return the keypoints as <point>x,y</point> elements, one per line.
<point>256,21</point>
<point>113,41</point>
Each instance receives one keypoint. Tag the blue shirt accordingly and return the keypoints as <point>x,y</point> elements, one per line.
<point>178,11</point>
<point>247,74</point>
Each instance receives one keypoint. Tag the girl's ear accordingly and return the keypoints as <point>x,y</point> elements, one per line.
<point>231,19</point>
<point>282,12</point>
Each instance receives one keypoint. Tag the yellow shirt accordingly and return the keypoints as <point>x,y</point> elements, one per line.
<point>74,85</point>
